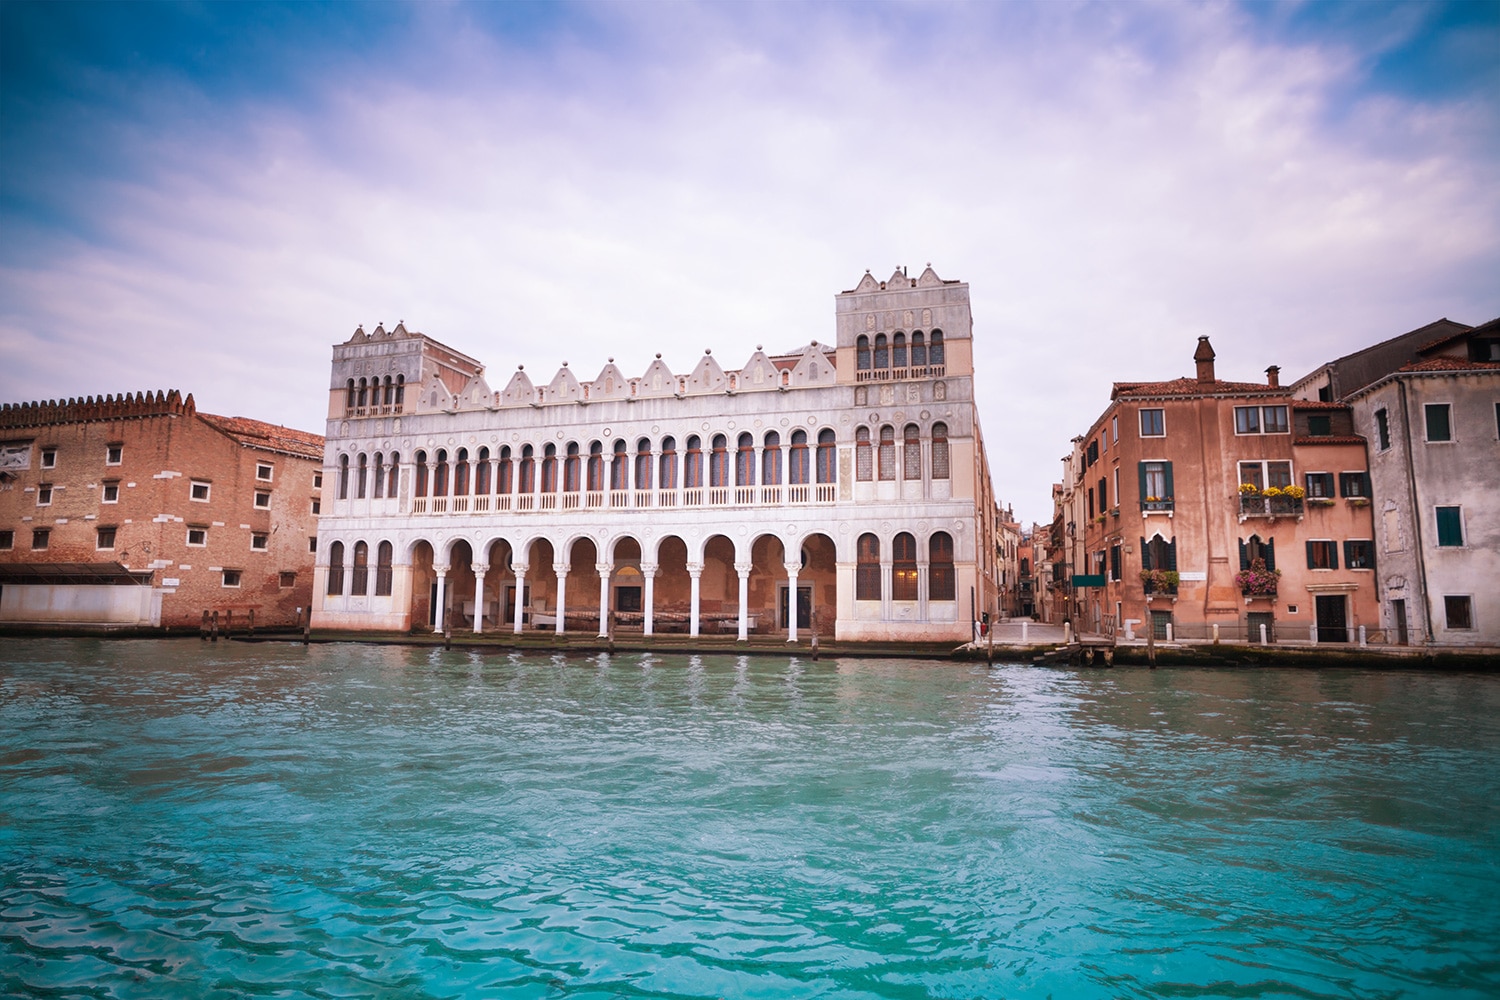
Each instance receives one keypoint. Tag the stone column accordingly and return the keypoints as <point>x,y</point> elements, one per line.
<point>439,613</point>
<point>604,569</point>
<point>479,570</point>
<point>520,569</point>
<point>744,571</point>
<point>648,570</point>
<point>922,591</point>
<point>886,580</point>
<point>695,570</point>
<point>562,598</point>
<point>792,569</point>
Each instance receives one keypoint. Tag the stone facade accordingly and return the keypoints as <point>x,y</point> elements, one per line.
<point>139,510</point>
<point>842,487</point>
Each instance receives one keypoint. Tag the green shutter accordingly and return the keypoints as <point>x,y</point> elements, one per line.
<point>1310,555</point>
<point>1450,526</point>
<point>1333,555</point>
<point>1168,467</point>
<point>1145,555</point>
<point>1140,468</point>
<point>1244,556</point>
<point>1171,554</point>
<point>1271,553</point>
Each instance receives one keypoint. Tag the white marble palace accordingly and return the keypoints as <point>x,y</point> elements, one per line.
<point>842,488</point>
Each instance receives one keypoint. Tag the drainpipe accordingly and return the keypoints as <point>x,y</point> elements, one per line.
<point>1411,485</point>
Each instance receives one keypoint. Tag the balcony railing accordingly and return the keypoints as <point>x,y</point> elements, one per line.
<point>895,374</point>
<point>717,496</point>
<point>1157,505</point>
<point>1260,505</point>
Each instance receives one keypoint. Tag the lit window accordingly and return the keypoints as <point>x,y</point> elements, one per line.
<point>200,491</point>
<point>1153,423</point>
<point>104,538</point>
<point>231,577</point>
<point>262,499</point>
<point>111,492</point>
<point>259,541</point>
<point>114,454</point>
<point>263,472</point>
<point>197,537</point>
<point>904,568</point>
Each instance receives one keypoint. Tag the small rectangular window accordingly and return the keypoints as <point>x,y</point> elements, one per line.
<point>7,540</point>
<point>111,493</point>
<point>1459,611</point>
<point>104,538</point>
<point>40,537</point>
<point>317,506</point>
<point>1273,419</point>
<point>49,458</point>
<point>1359,553</point>
<point>317,480</point>
<point>1247,420</point>
<point>232,577</point>
<point>263,472</point>
<point>1439,426</point>
<point>1322,554</point>
<point>44,495</point>
<point>312,544</point>
<point>201,490</point>
<point>259,541</point>
<point>1382,429</point>
<point>114,454</point>
<point>287,580</point>
<point>262,499</point>
<point>1114,424</point>
<point>1450,526</point>
<point>197,537</point>
<point>1354,484</point>
<point>1319,425</point>
<point>1320,484</point>
<point>1153,423</point>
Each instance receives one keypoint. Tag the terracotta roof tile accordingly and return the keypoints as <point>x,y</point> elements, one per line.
<point>1451,365</point>
<point>1328,439</point>
<point>1192,387</point>
<point>258,434</point>
<point>1317,404</point>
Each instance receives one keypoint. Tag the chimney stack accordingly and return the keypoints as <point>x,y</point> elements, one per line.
<point>1273,377</point>
<point>1204,358</point>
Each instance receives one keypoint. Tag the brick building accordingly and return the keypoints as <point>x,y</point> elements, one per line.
<point>141,511</point>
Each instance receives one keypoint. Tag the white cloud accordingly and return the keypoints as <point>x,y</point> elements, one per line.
<point>1111,182</point>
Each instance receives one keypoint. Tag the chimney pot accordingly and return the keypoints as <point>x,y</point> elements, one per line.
<point>1273,377</point>
<point>1203,357</point>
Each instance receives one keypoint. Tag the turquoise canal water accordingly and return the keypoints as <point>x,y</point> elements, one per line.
<point>185,820</point>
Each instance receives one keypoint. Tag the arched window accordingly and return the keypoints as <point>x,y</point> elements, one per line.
<point>918,351</point>
<point>668,478</point>
<point>350,395</point>
<point>828,457</point>
<point>596,467</point>
<point>549,468</point>
<point>461,473</point>
<point>364,390</point>
<point>799,466</point>
<point>867,569</point>
<point>861,355</point>
<point>359,586</point>
<point>421,484</point>
<point>527,477</point>
<point>482,474</point>
<point>343,477</point>
<point>378,477</point>
<point>718,462</point>
<point>503,474</point>
<point>643,464</point>
<point>335,569</point>
<point>904,567</point>
<point>400,390</point>
<point>440,473</point>
<point>940,451</point>
<point>383,570</point>
<point>361,476</point>
<point>619,468</point>
<point>744,461</point>
<point>770,460</point>
<point>393,475</point>
<point>864,463</point>
<point>942,583</point>
<point>911,453</point>
<point>572,470</point>
<point>882,352</point>
<point>1253,548</point>
<point>692,470</point>
<point>887,452</point>
<point>935,348</point>
<point>390,392</point>
<point>1158,553</point>
<point>898,351</point>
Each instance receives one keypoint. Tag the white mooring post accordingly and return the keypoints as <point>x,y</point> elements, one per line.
<point>1169,631</point>
<point>1362,641</point>
<point>1263,641</point>
<point>1025,627</point>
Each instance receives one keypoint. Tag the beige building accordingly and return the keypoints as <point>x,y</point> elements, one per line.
<point>842,486</point>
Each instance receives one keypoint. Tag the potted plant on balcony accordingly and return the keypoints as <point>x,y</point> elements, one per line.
<point>1159,581</point>
<point>1257,581</point>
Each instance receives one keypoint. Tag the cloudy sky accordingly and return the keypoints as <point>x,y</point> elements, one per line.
<point>208,196</point>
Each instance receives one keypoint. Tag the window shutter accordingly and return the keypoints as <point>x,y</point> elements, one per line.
<point>1140,468</point>
<point>1244,556</point>
<point>1145,555</point>
<point>1171,554</point>
<point>1170,492</point>
<point>1270,553</point>
<point>1309,555</point>
<point>1333,555</point>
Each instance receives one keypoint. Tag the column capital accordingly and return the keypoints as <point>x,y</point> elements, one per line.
<point>604,568</point>
<point>520,569</point>
<point>441,570</point>
<point>793,568</point>
<point>649,569</point>
<point>743,569</point>
<point>694,569</point>
<point>481,568</point>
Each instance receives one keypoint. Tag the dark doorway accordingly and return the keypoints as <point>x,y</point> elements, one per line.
<point>1398,612</point>
<point>1333,620</point>
<point>1159,622</point>
<point>1255,620</point>
<point>804,608</point>
<point>432,607</point>
<point>628,599</point>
